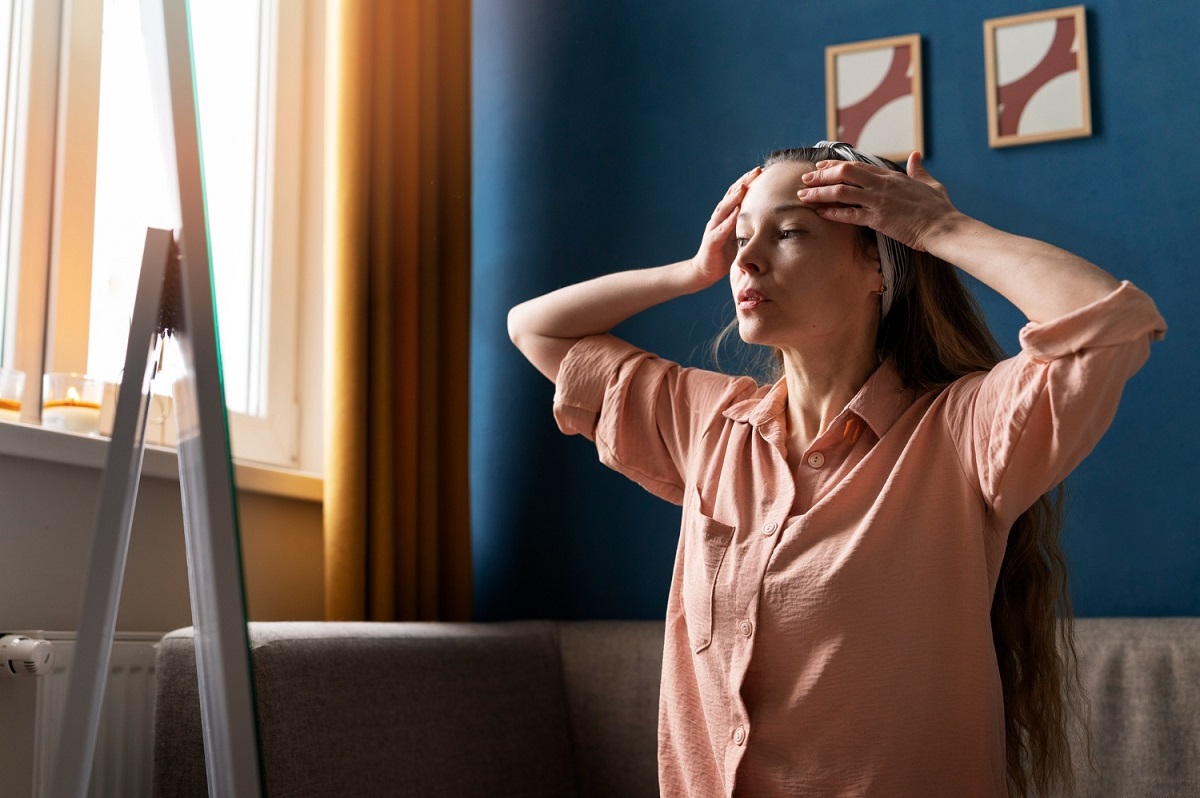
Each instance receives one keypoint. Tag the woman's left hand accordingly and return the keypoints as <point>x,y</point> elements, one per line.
<point>910,208</point>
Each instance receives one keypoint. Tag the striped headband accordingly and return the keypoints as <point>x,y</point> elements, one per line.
<point>893,256</point>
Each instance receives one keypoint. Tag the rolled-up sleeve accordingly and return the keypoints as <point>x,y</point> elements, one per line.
<point>1023,426</point>
<point>643,413</point>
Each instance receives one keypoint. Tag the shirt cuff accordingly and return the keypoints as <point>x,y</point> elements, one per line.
<point>583,378</point>
<point>1125,315</point>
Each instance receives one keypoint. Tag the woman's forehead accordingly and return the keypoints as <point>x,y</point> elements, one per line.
<point>778,183</point>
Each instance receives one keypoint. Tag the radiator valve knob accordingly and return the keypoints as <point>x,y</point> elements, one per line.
<point>24,656</point>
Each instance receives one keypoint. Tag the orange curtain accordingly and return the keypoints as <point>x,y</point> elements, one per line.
<point>397,520</point>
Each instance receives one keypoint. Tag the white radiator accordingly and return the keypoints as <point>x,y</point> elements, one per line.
<point>125,744</point>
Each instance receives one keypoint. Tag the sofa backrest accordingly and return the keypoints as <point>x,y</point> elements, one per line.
<point>611,676</point>
<point>384,710</point>
<point>1142,681</point>
<point>534,709</point>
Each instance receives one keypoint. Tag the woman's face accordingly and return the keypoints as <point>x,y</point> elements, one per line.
<point>798,278</point>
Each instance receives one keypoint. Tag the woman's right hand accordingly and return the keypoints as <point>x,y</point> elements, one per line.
<point>546,327</point>
<point>718,248</point>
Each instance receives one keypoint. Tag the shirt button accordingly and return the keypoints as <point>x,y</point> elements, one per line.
<point>745,628</point>
<point>769,528</point>
<point>739,735</point>
<point>816,459</point>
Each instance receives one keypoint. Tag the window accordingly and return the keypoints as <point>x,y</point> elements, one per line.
<point>10,97</point>
<point>257,88</point>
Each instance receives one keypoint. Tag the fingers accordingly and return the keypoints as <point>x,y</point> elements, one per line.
<point>835,194</point>
<point>725,214</point>
<point>848,214</point>
<point>842,191</point>
<point>742,182</point>
<point>836,183</point>
<point>917,171</point>
<point>720,230</point>
<point>854,173</point>
<point>916,165</point>
<point>902,205</point>
<point>739,186</point>
<point>733,196</point>
<point>855,183</point>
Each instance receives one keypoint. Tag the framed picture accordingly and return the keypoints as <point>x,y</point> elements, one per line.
<point>1037,77</point>
<point>873,95</point>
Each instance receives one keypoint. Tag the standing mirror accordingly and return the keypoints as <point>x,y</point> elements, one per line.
<point>175,295</point>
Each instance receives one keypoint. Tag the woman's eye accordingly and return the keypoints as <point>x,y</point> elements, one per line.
<point>790,233</point>
<point>741,241</point>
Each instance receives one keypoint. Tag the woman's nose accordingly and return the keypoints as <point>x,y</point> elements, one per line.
<point>746,261</point>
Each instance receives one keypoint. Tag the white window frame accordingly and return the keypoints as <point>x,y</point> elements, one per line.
<point>33,196</point>
<point>53,218</point>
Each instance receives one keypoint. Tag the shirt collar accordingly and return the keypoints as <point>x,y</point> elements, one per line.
<point>882,399</point>
<point>879,402</point>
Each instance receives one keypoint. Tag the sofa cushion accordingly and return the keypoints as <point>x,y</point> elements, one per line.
<point>388,709</point>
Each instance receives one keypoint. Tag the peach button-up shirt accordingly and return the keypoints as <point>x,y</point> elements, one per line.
<point>828,630</point>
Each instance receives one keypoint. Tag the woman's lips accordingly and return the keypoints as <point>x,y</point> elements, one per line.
<point>750,299</point>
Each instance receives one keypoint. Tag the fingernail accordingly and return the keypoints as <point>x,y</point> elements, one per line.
<point>808,177</point>
<point>802,193</point>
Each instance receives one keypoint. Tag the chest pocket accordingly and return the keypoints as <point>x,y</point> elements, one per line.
<point>705,546</point>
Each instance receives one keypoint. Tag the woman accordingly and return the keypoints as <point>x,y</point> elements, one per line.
<point>864,594</point>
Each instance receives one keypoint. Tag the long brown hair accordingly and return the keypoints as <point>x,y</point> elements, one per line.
<point>935,333</point>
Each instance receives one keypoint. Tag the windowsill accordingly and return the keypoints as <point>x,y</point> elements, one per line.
<point>37,443</point>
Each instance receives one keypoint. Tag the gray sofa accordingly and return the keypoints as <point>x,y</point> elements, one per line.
<point>529,709</point>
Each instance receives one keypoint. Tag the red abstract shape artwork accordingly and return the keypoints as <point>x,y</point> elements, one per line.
<point>897,83</point>
<point>1060,59</point>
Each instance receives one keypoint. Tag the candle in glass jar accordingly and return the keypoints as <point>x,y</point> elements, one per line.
<point>71,402</point>
<point>12,385</point>
<point>72,414</point>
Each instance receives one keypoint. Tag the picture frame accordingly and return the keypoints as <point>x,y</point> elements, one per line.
<point>1037,77</point>
<point>873,95</point>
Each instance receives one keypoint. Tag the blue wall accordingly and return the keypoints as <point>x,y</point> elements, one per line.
<point>605,130</point>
